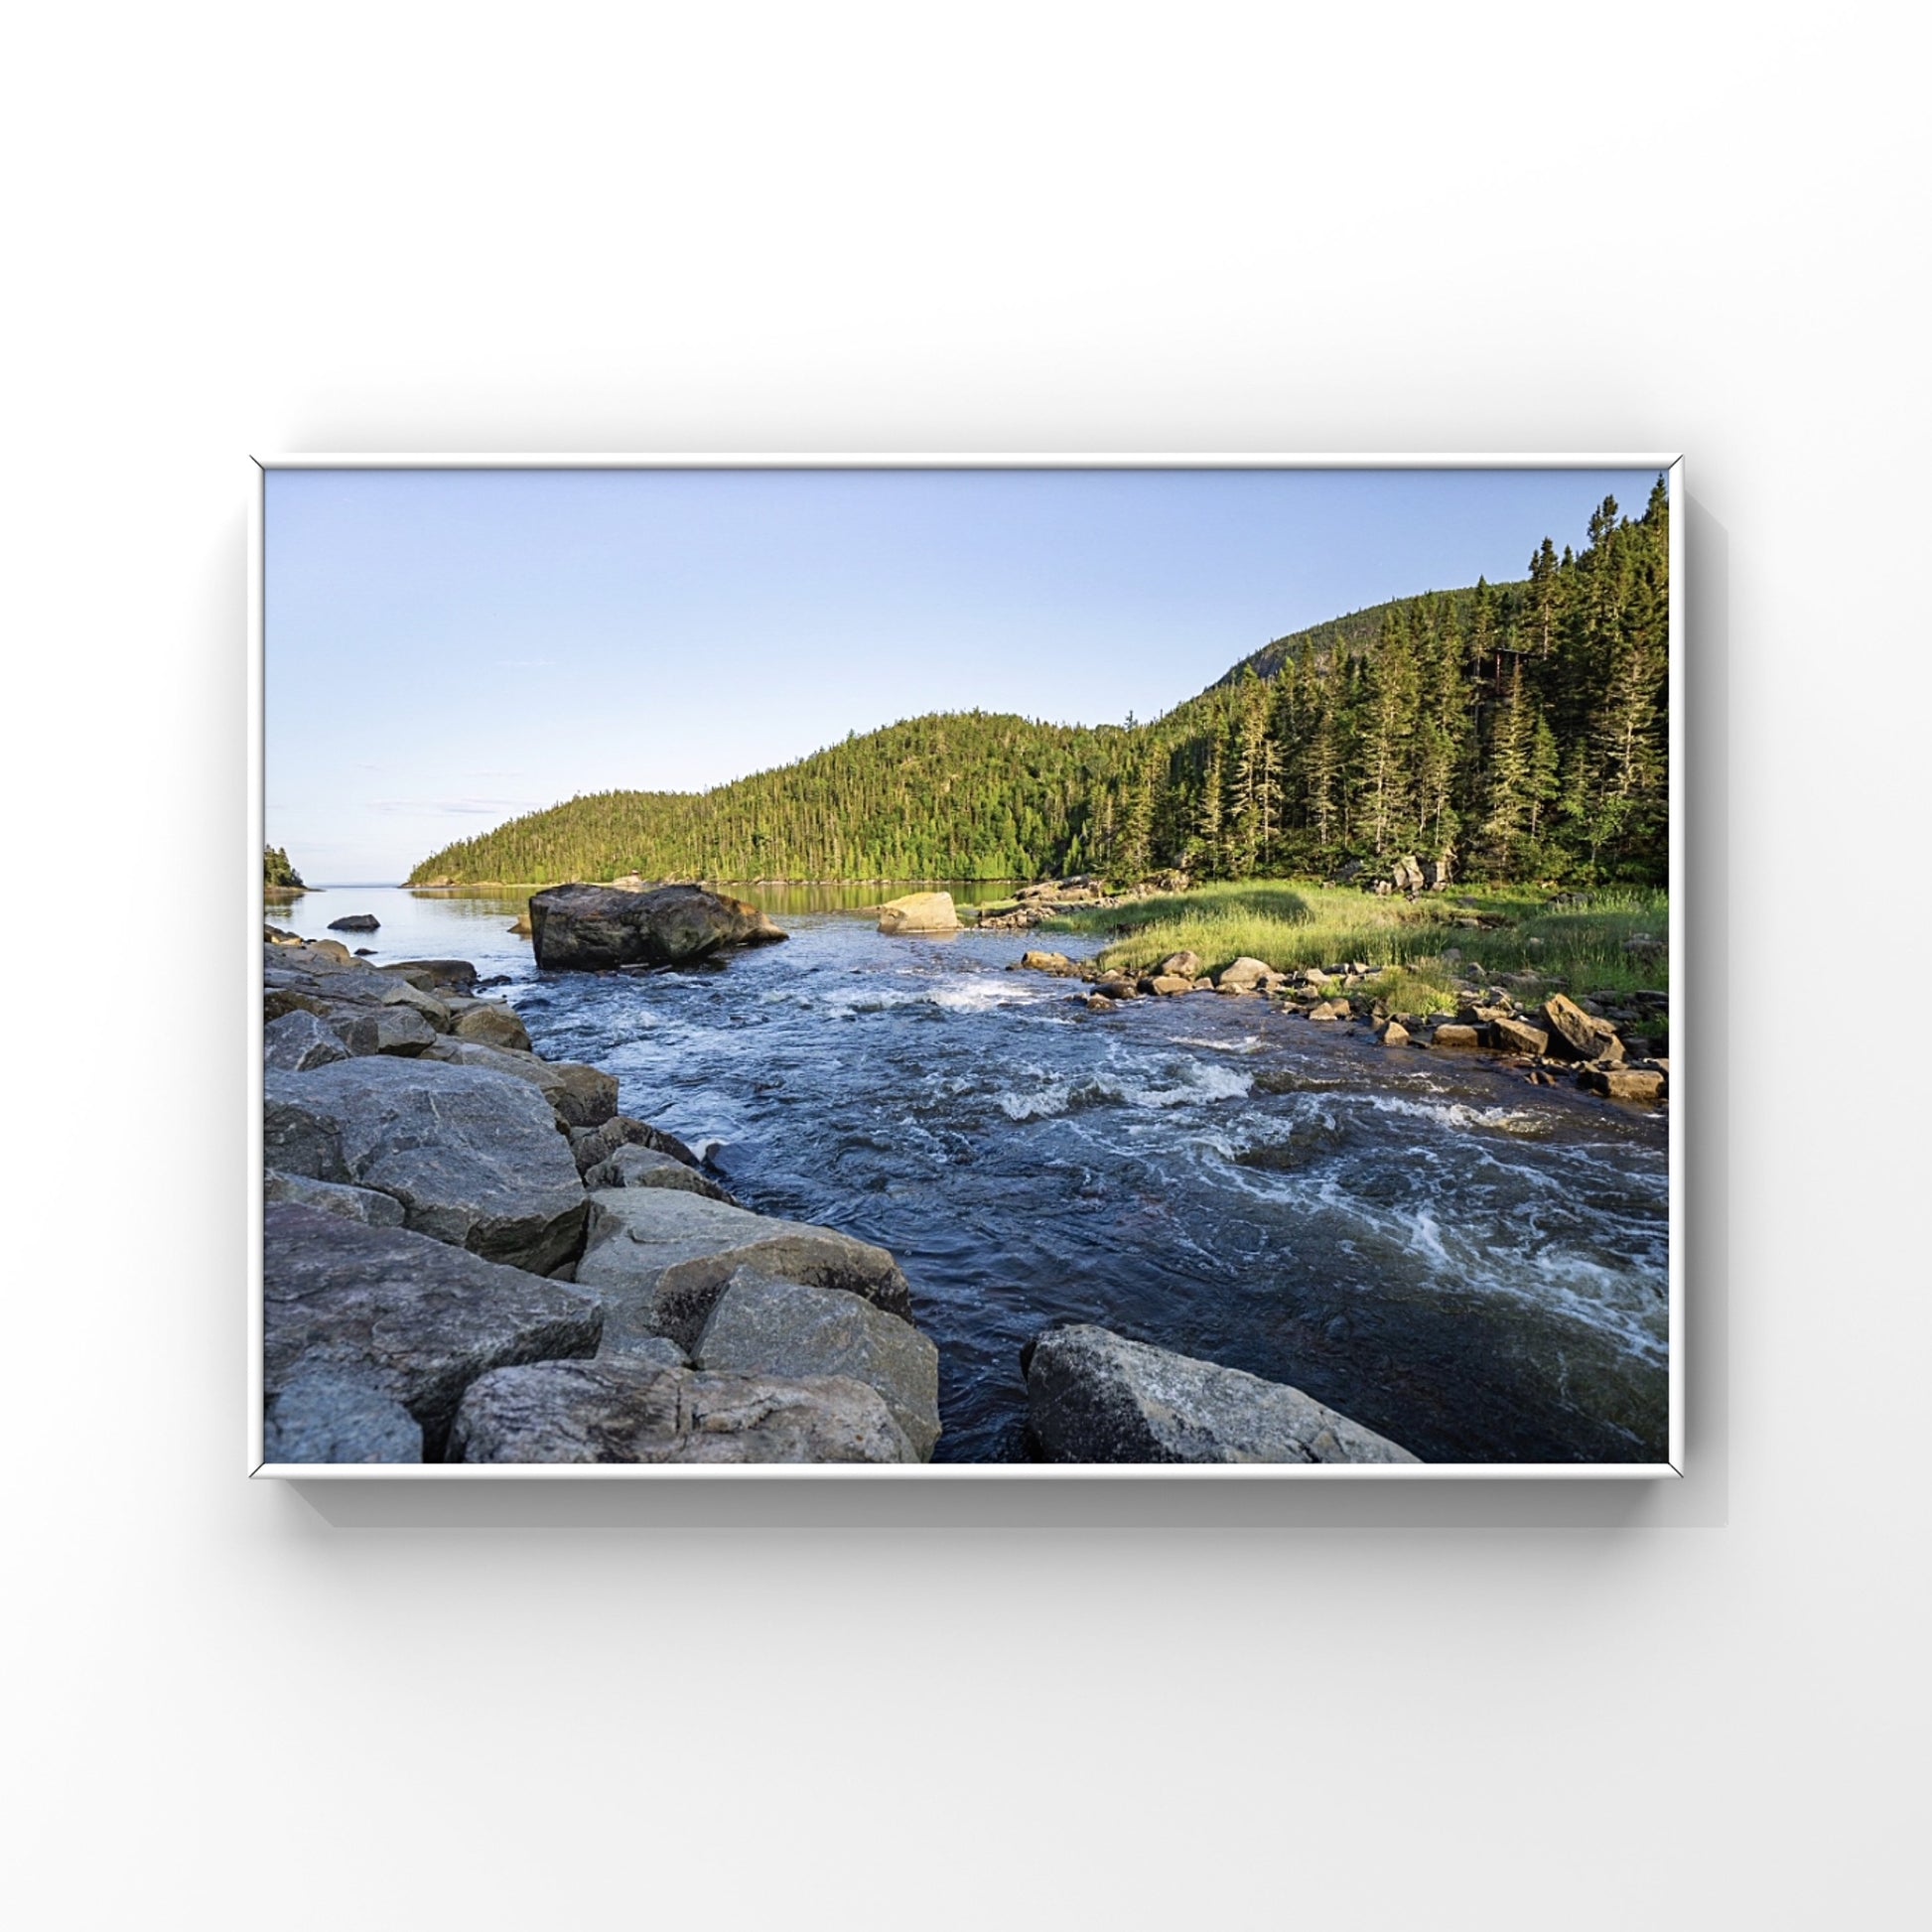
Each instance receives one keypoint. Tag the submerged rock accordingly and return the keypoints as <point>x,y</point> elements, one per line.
<point>599,927</point>
<point>638,1411</point>
<point>1093,1396</point>
<point>919,913</point>
<point>660,1258</point>
<point>473,1156</point>
<point>380,1310</point>
<point>777,1327</point>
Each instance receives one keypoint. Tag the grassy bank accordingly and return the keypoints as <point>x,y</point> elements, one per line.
<point>1426,951</point>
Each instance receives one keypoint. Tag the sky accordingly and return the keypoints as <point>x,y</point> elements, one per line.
<point>447,649</point>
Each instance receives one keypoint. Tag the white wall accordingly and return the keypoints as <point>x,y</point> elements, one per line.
<point>240,229</point>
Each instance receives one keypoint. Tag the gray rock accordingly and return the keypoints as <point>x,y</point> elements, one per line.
<point>473,1156</point>
<point>400,993</point>
<point>597,927</point>
<point>1572,1034</point>
<point>660,1258</point>
<point>637,1412</point>
<point>643,1166</point>
<point>1184,965</point>
<point>329,1416</point>
<point>491,1025</point>
<point>411,1318</point>
<point>1093,1396</point>
<point>1455,1035</point>
<point>365,1204</point>
<point>579,1096</point>
<point>590,1145</point>
<point>397,1030</point>
<point>357,923</point>
<point>1057,963</point>
<point>436,975</point>
<point>298,1041</point>
<point>775,1327</point>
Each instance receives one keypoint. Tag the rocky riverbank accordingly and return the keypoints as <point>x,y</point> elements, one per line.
<point>1526,1021</point>
<point>469,1255</point>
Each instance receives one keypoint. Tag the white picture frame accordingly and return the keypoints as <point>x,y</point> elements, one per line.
<point>1683,1052</point>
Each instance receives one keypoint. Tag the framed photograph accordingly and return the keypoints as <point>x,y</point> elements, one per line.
<point>967,966</point>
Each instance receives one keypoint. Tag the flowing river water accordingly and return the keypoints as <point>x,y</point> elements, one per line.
<point>1476,1267</point>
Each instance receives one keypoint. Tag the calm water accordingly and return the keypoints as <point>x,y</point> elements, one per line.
<point>1475,1266</point>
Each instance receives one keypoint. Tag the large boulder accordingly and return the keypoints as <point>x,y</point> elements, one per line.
<point>357,923</point>
<point>919,913</point>
<point>386,1312</point>
<point>659,1260</point>
<point>1573,1035</point>
<point>297,1041</point>
<point>473,1156</point>
<point>1180,965</point>
<point>581,1096</point>
<point>638,1411</point>
<point>775,1328</point>
<point>643,1166</point>
<point>593,928</point>
<point>1093,1396</point>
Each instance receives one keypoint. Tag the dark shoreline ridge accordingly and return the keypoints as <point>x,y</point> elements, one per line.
<point>469,1255</point>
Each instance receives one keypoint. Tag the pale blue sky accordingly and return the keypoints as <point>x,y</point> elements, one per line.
<point>449,649</point>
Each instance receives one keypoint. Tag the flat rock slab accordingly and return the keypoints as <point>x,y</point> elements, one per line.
<point>361,1204</point>
<point>660,1258</point>
<point>383,1312</point>
<point>775,1327</point>
<point>578,1095</point>
<point>595,928</point>
<point>473,1156</point>
<point>1093,1396</point>
<point>640,1412</point>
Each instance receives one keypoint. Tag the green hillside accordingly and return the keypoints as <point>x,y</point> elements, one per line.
<point>1520,729</point>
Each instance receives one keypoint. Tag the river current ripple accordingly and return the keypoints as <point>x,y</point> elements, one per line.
<point>1475,1266</point>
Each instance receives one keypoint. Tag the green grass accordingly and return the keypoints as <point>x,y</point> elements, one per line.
<point>1292,924</point>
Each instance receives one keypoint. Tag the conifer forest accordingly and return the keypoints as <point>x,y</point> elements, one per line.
<point>1517,730</point>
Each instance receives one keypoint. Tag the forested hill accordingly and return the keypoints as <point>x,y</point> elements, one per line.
<point>1520,730</point>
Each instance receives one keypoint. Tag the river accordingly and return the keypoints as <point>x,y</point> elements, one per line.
<point>1476,1267</point>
